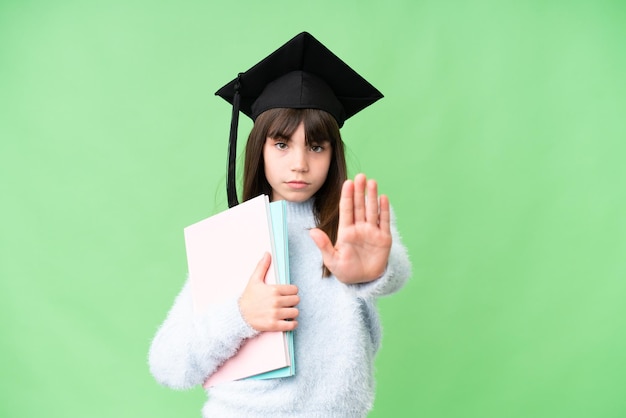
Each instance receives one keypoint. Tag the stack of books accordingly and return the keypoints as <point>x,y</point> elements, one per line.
<point>222,253</point>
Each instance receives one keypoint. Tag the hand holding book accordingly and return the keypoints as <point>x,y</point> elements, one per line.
<point>269,307</point>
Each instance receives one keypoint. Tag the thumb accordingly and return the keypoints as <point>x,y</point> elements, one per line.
<point>320,238</point>
<point>261,268</point>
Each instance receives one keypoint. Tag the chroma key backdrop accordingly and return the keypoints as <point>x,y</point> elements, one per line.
<point>500,142</point>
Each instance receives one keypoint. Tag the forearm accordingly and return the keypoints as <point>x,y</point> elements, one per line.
<point>189,347</point>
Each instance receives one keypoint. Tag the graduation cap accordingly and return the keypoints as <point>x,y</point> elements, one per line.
<point>301,74</point>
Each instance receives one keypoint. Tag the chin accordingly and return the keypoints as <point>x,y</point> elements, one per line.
<point>296,197</point>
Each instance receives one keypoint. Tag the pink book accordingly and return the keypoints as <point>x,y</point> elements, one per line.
<point>222,253</point>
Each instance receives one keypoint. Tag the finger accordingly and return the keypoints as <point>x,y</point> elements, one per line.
<point>359,198</point>
<point>289,301</point>
<point>372,202</point>
<point>285,326</point>
<point>288,313</point>
<point>324,244</point>
<point>261,268</point>
<point>385,214</point>
<point>346,204</point>
<point>286,289</point>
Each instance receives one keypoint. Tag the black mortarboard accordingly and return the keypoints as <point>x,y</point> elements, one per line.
<point>301,74</point>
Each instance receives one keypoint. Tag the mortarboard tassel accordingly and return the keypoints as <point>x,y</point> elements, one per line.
<point>231,189</point>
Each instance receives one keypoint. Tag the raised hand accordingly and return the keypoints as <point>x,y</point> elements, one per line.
<point>268,307</point>
<point>363,237</point>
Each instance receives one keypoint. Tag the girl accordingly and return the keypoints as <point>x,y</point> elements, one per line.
<point>344,251</point>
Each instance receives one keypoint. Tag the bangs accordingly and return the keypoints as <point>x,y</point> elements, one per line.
<point>319,126</point>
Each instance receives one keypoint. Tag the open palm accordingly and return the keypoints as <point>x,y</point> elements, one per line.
<point>363,237</point>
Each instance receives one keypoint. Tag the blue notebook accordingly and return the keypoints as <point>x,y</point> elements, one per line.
<point>278,212</point>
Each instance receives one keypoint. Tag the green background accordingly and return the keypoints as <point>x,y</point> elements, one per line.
<point>500,142</point>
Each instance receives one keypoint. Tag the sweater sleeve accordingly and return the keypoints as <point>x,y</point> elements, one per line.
<point>396,274</point>
<point>189,347</point>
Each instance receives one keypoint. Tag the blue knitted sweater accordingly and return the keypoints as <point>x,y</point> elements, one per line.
<point>335,343</point>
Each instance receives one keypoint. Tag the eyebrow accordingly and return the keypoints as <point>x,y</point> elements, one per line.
<point>317,142</point>
<point>280,137</point>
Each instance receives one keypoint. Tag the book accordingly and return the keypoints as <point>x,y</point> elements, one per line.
<point>222,252</point>
<point>278,211</point>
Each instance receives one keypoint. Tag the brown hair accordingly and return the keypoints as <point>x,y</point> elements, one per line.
<point>319,126</point>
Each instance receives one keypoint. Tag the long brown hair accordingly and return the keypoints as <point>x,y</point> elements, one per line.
<point>319,126</point>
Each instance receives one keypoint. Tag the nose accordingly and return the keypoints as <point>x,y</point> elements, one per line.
<point>299,163</point>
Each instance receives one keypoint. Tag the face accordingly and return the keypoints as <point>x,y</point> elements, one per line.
<point>295,170</point>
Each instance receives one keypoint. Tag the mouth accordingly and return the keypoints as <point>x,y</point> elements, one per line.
<point>296,184</point>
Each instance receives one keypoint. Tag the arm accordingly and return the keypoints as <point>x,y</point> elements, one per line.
<point>189,347</point>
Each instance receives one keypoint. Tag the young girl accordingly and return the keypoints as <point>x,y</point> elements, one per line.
<point>344,251</point>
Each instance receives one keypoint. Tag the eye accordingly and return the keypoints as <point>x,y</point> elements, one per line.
<point>317,148</point>
<point>281,145</point>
